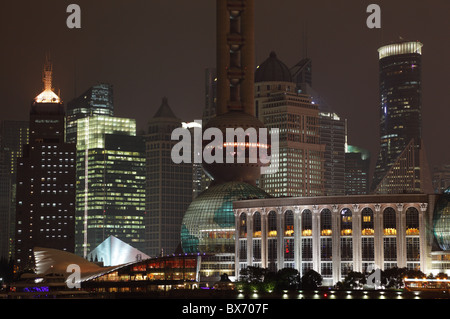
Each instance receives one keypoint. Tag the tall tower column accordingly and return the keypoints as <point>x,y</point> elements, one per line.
<point>235,56</point>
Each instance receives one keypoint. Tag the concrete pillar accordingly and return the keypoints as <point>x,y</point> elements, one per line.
<point>422,238</point>
<point>336,242</point>
<point>264,251</point>
<point>316,237</point>
<point>249,238</point>
<point>236,241</point>
<point>280,238</point>
<point>401,243</point>
<point>378,235</point>
<point>297,239</point>
<point>357,238</point>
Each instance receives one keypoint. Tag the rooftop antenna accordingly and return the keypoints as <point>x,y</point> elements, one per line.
<point>305,40</point>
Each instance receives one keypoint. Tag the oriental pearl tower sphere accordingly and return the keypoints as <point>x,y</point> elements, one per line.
<point>209,225</point>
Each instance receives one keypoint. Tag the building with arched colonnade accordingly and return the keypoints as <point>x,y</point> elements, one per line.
<point>334,235</point>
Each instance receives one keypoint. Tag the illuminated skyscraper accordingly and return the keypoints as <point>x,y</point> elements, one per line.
<point>45,201</point>
<point>301,155</point>
<point>110,197</point>
<point>401,165</point>
<point>97,100</point>
<point>169,185</point>
<point>13,136</point>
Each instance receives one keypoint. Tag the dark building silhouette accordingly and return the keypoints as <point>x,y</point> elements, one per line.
<point>169,185</point>
<point>45,203</point>
<point>13,135</point>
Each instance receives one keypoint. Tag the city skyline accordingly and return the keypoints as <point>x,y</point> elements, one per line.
<point>130,47</point>
<point>120,188</point>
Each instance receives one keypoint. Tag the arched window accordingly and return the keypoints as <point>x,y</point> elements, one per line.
<point>389,221</point>
<point>257,224</point>
<point>367,222</point>
<point>288,223</point>
<point>272,224</point>
<point>412,221</point>
<point>306,223</point>
<point>346,222</point>
<point>243,225</point>
<point>325,222</point>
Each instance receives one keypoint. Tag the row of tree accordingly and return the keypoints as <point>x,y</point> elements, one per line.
<point>254,279</point>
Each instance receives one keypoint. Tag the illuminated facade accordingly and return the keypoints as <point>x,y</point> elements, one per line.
<point>334,235</point>
<point>169,185</point>
<point>97,100</point>
<point>45,201</point>
<point>147,275</point>
<point>301,154</point>
<point>401,165</point>
<point>161,273</point>
<point>110,182</point>
<point>13,135</point>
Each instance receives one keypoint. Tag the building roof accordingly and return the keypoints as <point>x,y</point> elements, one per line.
<point>112,252</point>
<point>164,110</point>
<point>273,70</point>
<point>56,262</point>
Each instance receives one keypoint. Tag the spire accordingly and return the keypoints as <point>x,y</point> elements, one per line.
<point>47,96</point>
<point>47,74</point>
<point>164,110</point>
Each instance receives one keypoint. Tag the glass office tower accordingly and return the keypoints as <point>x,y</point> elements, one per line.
<point>97,100</point>
<point>110,182</point>
<point>400,165</point>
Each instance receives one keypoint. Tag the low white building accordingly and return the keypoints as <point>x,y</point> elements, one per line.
<point>337,234</point>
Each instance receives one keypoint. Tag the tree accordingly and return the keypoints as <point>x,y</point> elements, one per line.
<point>287,279</point>
<point>353,280</point>
<point>253,274</point>
<point>311,280</point>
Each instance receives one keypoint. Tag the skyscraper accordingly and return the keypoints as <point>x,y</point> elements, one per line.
<point>301,154</point>
<point>97,100</point>
<point>45,204</point>
<point>357,164</point>
<point>332,129</point>
<point>169,185</point>
<point>13,135</point>
<point>401,164</point>
<point>333,133</point>
<point>110,198</point>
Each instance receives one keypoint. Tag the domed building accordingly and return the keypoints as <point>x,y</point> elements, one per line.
<point>208,225</point>
<point>273,70</point>
<point>441,221</point>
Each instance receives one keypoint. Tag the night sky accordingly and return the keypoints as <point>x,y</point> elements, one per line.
<point>153,48</point>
